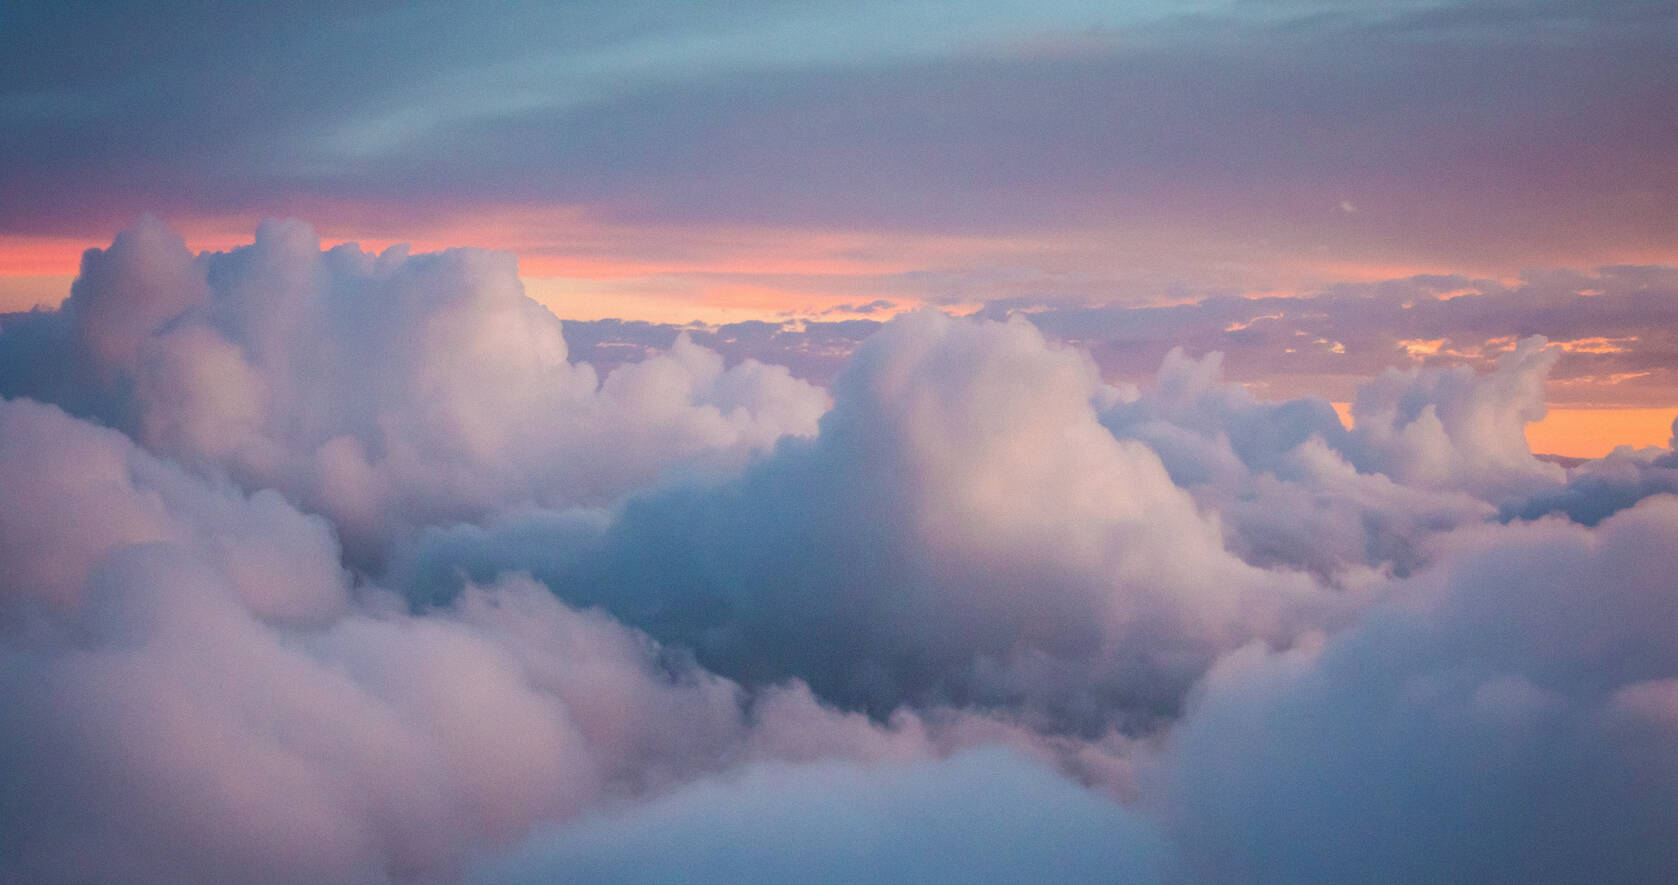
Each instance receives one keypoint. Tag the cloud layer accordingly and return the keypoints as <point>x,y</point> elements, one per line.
<point>328,566</point>
<point>385,392</point>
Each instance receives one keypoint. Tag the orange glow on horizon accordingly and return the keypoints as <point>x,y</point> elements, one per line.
<point>1590,433</point>
<point>585,269</point>
<point>1586,433</point>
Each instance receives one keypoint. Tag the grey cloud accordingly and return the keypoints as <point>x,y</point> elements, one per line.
<point>196,694</point>
<point>1294,488</point>
<point>979,817</point>
<point>924,524</point>
<point>1223,124</point>
<point>1508,718</point>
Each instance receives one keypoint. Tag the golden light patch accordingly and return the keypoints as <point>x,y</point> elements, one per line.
<point>1586,433</point>
<point>1238,325</point>
<point>27,292</point>
<point>1597,345</point>
<point>1420,347</point>
<point>1592,433</point>
<point>681,300</point>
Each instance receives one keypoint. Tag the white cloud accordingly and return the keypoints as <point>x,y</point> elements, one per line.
<point>394,391</point>
<point>365,581</point>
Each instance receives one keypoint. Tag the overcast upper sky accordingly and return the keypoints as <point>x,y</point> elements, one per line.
<point>954,150</point>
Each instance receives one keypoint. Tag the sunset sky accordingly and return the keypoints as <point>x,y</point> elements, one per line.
<point>718,163</point>
<point>934,441</point>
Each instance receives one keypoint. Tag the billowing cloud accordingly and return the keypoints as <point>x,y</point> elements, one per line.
<point>75,491</point>
<point>382,391</point>
<point>328,566</point>
<point>1510,717</point>
<point>1295,488</point>
<point>196,695</point>
<point>964,515</point>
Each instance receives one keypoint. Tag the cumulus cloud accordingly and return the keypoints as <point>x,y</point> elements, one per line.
<point>326,566</point>
<point>386,392</point>
<point>1278,474</point>
<point>965,520</point>
<point>1508,718</point>
<point>1453,428</point>
<point>74,491</point>
<point>195,694</point>
<point>1604,486</point>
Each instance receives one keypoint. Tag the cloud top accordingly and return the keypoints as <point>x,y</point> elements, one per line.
<point>331,566</point>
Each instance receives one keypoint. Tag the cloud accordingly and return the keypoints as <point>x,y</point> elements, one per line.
<point>386,392</point>
<point>1607,324</point>
<point>327,566</point>
<point>935,117</point>
<point>1507,718</point>
<point>984,816</point>
<point>1456,429</point>
<point>195,693</point>
<point>1602,487</point>
<point>75,491</point>
<point>1294,487</point>
<point>962,516</point>
<point>198,693</point>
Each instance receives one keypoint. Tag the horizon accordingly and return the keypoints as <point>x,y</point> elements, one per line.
<point>1574,425</point>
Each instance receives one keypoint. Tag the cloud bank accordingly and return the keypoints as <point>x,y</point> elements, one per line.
<point>385,392</point>
<point>327,566</point>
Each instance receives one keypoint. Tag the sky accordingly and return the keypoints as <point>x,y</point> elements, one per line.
<point>1228,442</point>
<point>731,162</point>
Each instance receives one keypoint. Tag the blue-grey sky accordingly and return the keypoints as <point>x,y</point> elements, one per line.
<point>1232,145</point>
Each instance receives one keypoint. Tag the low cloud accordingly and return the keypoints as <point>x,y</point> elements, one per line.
<point>326,566</point>
<point>980,817</point>
<point>1509,717</point>
<point>385,392</point>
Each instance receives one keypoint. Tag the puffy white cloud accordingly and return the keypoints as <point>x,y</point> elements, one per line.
<point>195,693</point>
<point>962,528</point>
<point>75,492</point>
<point>1457,429</point>
<point>1431,450</point>
<point>690,622</point>
<point>387,392</point>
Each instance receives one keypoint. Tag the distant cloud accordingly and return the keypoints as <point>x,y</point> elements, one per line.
<point>871,307</point>
<point>1608,324</point>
